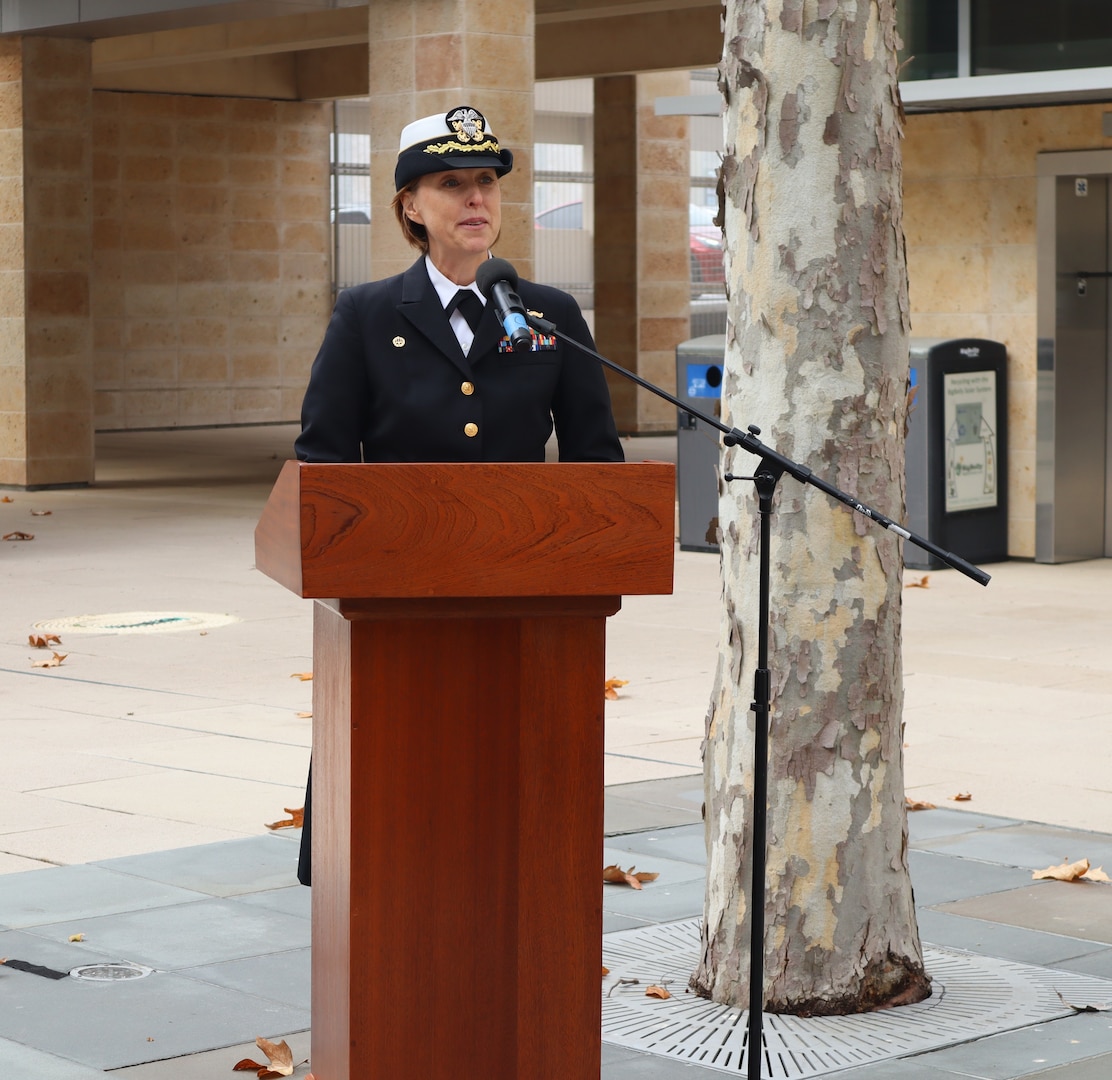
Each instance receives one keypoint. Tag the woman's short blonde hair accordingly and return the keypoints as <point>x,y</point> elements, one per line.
<point>416,235</point>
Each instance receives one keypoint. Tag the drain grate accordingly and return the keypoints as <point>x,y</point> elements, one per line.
<point>134,622</point>
<point>111,972</point>
<point>974,996</point>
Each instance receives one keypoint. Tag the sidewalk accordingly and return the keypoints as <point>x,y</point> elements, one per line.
<point>140,773</point>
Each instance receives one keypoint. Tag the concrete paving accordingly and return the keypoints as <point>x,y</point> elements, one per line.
<point>141,770</point>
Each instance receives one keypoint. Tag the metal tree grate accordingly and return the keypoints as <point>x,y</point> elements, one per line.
<point>974,996</point>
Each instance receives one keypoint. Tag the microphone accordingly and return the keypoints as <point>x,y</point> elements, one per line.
<point>497,281</point>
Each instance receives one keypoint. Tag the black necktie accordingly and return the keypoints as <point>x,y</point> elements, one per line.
<point>470,306</point>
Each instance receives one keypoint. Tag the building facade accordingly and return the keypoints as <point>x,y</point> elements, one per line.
<point>170,204</point>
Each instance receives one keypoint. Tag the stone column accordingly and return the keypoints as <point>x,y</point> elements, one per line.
<point>642,259</point>
<point>46,381</point>
<point>431,56</point>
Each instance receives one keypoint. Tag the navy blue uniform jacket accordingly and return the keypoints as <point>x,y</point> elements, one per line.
<point>390,383</point>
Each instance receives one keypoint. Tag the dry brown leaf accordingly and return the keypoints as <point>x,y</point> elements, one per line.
<point>962,796</point>
<point>304,676</point>
<point>281,1057</point>
<point>17,535</point>
<point>617,876</point>
<point>41,513</point>
<point>54,661</point>
<point>42,641</point>
<point>920,584</point>
<point>7,498</point>
<point>305,716</point>
<point>1063,872</point>
<point>657,992</point>
<point>605,970</point>
<point>1096,875</point>
<point>919,804</point>
<point>247,1065</point>
<point>294,821</point>
<point>610,690</point>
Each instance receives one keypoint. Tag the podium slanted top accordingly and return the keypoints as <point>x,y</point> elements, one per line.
<point>433,530</point>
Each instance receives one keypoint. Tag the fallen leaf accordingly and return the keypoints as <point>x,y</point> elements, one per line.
<point>281,1057</point>
<point>1106,1007</point>
<point>305,716</point>
<point>304,676</point>
<point>657,992</point>
<point>1063,872</point>
<point>7,498</point>
<point>294,821</point>
<point>41,513</point>
<point>918,804</point>
<point>1096,875</point>
<point>610,691</point>
<point>617,876</point>
<point>19,536</point>
<point>920,584</point>
<point>41,641</point>
<point>77,937</point>
<point>605,970</point>
<point>54,661</point>
<point>963,796</point>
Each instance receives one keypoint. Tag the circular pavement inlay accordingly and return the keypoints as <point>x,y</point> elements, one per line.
<point>135,622</point>
<point>112,972</point>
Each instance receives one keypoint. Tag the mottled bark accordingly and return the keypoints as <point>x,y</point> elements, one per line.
<point>817,357</point>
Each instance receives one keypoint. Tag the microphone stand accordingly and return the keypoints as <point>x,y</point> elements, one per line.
<point>772,466</point>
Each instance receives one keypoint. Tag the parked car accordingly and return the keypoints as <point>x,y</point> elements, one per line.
<point>704,240</point>
<point>706,248</point>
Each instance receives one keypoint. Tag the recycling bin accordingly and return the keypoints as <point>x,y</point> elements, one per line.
<point>699,367</point>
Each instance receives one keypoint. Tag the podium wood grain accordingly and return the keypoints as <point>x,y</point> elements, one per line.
<point>459,648</point>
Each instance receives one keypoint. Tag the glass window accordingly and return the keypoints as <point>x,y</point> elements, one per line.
<point>929,29</point>
<point>1034,35</point>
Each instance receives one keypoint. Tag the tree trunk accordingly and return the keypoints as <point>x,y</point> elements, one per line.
<point>817,356</point>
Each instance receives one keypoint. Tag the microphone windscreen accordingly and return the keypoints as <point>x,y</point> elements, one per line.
<point>492,270</point>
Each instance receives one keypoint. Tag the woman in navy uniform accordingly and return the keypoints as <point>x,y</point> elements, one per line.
<point>417,367</point>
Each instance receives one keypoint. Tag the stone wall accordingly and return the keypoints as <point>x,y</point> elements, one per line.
<point>46,433</point>
<point>969,216</point>
<point>210,257</point>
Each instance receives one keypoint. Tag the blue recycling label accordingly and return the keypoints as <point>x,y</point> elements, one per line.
<point>704,380</point>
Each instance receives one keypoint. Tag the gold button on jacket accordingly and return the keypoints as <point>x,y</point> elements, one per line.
<point>467,388</point>
<point>471,430</point>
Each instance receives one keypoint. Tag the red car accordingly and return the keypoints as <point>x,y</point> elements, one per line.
<point>704,238</point>
<point>706,248</point>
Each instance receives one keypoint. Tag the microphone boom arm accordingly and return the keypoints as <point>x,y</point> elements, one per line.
<point>776,462</point>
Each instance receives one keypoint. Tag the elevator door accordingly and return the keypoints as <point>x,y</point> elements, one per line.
<point>1083,526</point>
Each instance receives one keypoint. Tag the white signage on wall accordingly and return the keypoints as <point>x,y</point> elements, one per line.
<point>969,417</point>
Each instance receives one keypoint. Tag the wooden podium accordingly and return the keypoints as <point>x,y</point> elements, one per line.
<point>458,645</point>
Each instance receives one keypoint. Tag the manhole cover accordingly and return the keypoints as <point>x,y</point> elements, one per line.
<point>114,972</point>
<point>974,996</point>
<point>135,622</point>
